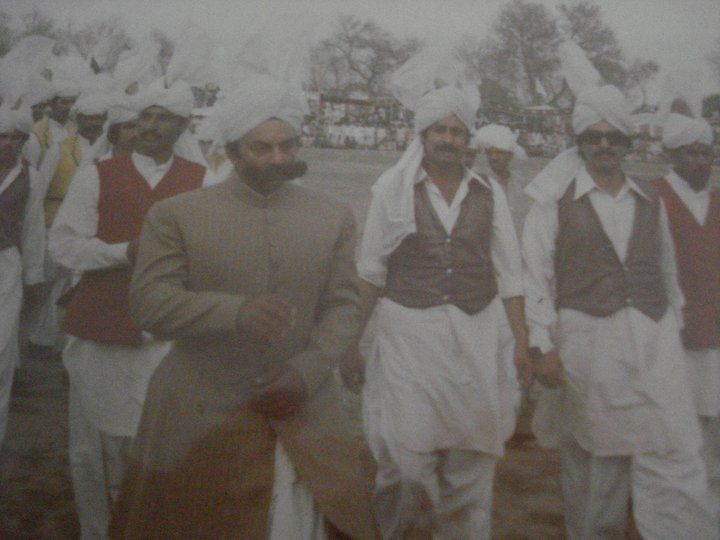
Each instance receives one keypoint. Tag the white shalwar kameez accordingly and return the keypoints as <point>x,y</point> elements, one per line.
<point>704,364</point>
<point>438,400</point>
<point>107,382</point>
<point>628,422</point>
<point>46,330</point>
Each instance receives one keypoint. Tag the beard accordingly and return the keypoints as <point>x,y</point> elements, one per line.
<point>275,174</point>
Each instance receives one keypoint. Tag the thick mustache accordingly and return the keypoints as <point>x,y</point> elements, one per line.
<point>446,148</point>
<point>283,171</point>
<point>150,134</point>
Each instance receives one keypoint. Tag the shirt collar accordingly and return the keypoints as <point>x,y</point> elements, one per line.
<point>146,163</point>
<point>681,186</point>
<point>252,197</point>
<point>11,176</point>
<point>469,176</point>
<point>584,184</point>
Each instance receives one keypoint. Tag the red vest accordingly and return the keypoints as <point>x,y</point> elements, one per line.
<point>99,306</point>
<point>697,249</point>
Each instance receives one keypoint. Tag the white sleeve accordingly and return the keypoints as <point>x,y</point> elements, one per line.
<point>668,266</point>
<point>372,262</point>
<point>539,273</point>
<point>504,248</point>
<point>33,232</point>
<point>73,238</point>
<point>31,150</point>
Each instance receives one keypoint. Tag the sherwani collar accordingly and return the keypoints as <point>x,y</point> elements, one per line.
<point>248,195</point>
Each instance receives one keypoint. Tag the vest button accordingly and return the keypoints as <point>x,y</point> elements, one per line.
<point>449,271</point>
<point>446,297</point>
<point>448,240</point>
<point>629,301</point>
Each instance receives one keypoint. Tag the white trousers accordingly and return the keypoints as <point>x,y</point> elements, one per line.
<point>98,462</point>
<point>669,495</point>
<point>447,491</point>
<point>711,455</point>
<point>10,302</point>
<point>45,325</point>
<point>293,515</point>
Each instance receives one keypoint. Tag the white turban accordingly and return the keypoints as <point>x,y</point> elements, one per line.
<point>602,103</point>
<point>255,100</point>
<point>90,103</point>
<point>681,130</point>
<point>15,120</point>
<point>443,102</point>
<point>500,137</point>
<point>119,113</point>
<point>178,99</point>
<point>594,104</point>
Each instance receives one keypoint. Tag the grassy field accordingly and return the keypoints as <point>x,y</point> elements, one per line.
<point>35,490</point>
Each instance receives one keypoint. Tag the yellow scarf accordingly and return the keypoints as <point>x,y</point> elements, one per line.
<point>70,157</point>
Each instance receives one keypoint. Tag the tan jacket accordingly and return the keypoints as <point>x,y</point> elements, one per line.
<point>200,254</point>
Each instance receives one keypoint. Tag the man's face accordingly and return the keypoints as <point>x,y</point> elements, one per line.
<point>60,108</point>
<point>38,111</point>
<point>265,157</point>
<point>693,163</point>
<point>123,136</point>
<point>499,160</point>
<point>90,126</point>
<point>445,141</point>
<point>11,143</point>
<point>158,130</point>
<point>603,147</point>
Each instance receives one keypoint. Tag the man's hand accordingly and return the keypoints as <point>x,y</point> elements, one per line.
<point>132,251</point>
<point>352,369</point>
<point>279,394</point>
<point>265,318</point>
<point>523,365</point>
<point>549,370</point>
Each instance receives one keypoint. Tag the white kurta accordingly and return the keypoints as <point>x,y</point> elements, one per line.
<point>111,380</point>
<point>626,393</point>
<point>434,376</point>
<point>704,365</point>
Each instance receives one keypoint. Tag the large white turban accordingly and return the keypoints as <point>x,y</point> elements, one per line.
<point>500,137</point>
<point>121,112</point>
<point>602,103</point>
<point>90,103</point>
<point>680,130</point>
<point>443,102</point>
<point>15,120</point>
<point>593,105</point>
<point>257,99</point>
<point>178,99</point>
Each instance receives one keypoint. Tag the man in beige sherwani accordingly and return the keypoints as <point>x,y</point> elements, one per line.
<point>253,279</point>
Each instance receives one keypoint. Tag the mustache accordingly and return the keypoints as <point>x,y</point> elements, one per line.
<point>149,134</point>
<point>445,147</point>
<point>281,171</point>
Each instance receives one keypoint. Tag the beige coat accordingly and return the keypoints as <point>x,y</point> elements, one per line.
<point>199,450</point>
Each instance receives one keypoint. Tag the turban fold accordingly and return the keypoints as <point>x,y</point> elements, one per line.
<point>90,103</point>
<point>500,137</point>
<point>15,120</point>
<point>680,130</point>
<point>602,103</point>
<point>178,99</point>
<point>443,102</point>
<point>255,100</point>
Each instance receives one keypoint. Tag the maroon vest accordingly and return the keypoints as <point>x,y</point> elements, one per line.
<point>697,249</point>
<point>589,275</point>
<point>99,306</point>
<point>431,268</point>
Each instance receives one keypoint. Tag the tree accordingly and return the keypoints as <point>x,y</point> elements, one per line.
<point>714,57</point>
<point>7,33</point>
<point>36,23</point>
<point>101,42</point>
<point>358,55</point>
<point>582,22</point>
<point>526,36</point>
<point>640,73</point>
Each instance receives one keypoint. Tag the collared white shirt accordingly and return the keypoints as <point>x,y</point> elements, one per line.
<point>698,202</point>
<point>504,250</point>
<point>518,202</point>
<point>73,238</point>
<point>616,215</point>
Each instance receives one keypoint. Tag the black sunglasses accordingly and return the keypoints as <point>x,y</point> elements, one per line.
<point>613,138</point>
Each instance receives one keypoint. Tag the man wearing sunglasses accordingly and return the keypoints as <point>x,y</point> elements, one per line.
<point>693,208</point>
<point>603,306</point>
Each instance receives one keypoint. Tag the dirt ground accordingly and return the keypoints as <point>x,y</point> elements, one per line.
<point>36,499</point>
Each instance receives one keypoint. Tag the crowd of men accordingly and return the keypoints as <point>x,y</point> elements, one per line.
<point>201,316</point>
